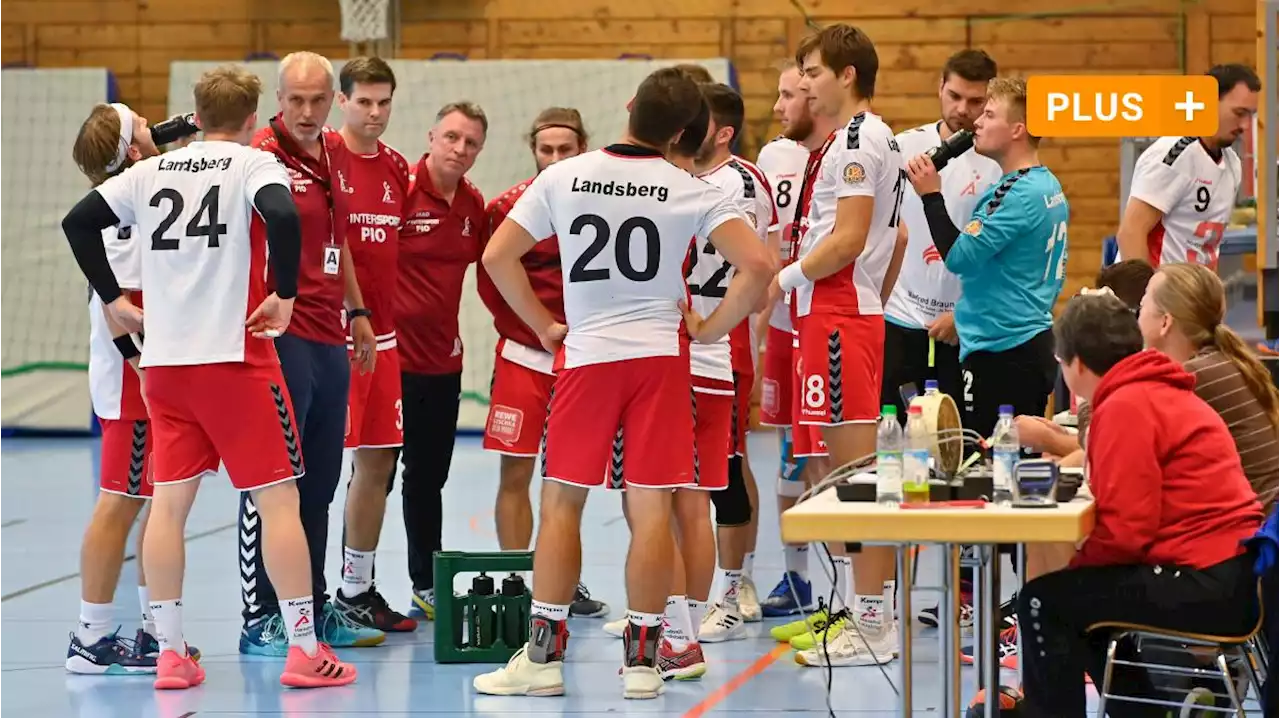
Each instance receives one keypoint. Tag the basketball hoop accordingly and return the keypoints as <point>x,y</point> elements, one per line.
<point>365,20</point>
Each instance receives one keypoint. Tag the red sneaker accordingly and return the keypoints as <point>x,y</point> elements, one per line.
<point>321,671</point>
<point>177,673</point>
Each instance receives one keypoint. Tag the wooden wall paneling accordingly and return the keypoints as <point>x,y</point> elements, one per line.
<point>616,33</point>
<point>88,12</point>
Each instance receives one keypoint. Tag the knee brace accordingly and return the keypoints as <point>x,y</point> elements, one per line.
<point>733,506</point>
<point>790,469</point>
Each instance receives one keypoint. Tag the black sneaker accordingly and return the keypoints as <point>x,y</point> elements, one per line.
<point>371,610</point>
<point>584,606</point>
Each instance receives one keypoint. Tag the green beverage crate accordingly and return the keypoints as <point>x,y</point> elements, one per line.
<point>456,615</point>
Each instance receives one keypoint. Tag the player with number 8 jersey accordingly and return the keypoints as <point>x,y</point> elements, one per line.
<point>623,216</point>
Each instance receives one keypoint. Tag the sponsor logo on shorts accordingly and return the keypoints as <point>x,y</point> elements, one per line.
<point>769,395</point>
<point>505,423</point>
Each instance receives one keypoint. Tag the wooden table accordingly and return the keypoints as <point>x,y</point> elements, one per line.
<point>824,518</point>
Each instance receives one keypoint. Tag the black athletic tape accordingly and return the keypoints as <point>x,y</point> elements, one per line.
<point>128,349</point>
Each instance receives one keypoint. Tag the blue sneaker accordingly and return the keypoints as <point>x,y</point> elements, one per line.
<point>782,600</point>
<point>339,631</point>
<point>267,637</point>
<point>423,607</point>
<point>111,655</point>
<point>148,645</point>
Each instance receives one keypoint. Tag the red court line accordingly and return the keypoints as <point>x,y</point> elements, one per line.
<point>737,681</point>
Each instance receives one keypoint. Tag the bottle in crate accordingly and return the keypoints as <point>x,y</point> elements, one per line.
<point>483,611</point>
<point>515,611</point>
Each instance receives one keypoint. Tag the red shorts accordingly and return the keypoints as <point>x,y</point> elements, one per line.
<point>842,363</point>
<point>126,457</point>
<point>712,434</point>
<point>518,402</point>
<point>806,439</point>
<point>234,414</point>
<point>741,421</point>
<point>647,400</point>
<point>375,410</point>
<point>775,387</point>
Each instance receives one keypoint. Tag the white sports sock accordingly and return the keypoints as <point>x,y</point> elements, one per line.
<point>748,563</point>
<point>148,620</point>
<point>550,611</point>
<point>797,558</point>
<point>891,597</point>
<point>843,582</point>
<point>357,571</point>
<point>168,616</point>
<point>869,611</point>
<point>651,620</point>
<point>697,612</point>
<point>300,619</point>
<point>732,582</point>
<point>95,622</point>
<point>677,625</point>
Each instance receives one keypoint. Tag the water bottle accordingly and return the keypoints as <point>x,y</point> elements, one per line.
<point>483,602</point>
<point>1005,449</point>
<point>915,460</point>
<point>930,388</point>
<point>889,457</point>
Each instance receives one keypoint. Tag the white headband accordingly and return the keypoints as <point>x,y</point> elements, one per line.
<point>126,135</point>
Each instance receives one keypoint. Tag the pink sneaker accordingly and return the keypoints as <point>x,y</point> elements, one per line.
<point>324,670</point>
<point>177,673</point>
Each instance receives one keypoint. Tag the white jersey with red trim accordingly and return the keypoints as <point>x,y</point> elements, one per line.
<point>111,391</point>
<point>1195,193</point>
<point>709,273</point>
<point>863,161</point>
<point>925,289</point>
<point>783,162</point>
<point>203,272</point>
<point>623,216</point>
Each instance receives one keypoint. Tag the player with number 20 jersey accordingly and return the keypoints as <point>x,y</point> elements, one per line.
<point>783,162</point>
<point>216,392</point>
<point>623,216</point>
<point>841,316</point>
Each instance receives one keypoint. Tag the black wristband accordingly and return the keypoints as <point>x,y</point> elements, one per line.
<point>361,312</point>
<point>128,348</point>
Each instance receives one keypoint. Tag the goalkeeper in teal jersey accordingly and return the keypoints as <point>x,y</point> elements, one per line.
<point>1011,258</point>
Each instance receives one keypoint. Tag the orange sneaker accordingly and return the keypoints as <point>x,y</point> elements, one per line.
<point>177,673</point>
<point>321,671</point>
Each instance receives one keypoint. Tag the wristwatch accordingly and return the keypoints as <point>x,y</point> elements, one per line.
<point>352,314</point>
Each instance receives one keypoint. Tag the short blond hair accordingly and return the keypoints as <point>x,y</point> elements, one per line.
<point>1012,91</point>
<point>97,144</point>
<point>225,98</point>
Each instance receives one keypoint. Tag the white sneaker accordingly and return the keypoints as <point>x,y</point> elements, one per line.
<point>616,628</point>
<point>642,682</point>
<point>749,601</point>
<point>722,624</point>
<point>523,677</point>
<point>850,649</point>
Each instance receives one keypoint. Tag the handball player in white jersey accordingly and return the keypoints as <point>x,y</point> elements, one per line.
<point>1184,188</point>
<point>110,141</point>
<point>214,386</point>
<point>624,217</point>
<point>746,185</point>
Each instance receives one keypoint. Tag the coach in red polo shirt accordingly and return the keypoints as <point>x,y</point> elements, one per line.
<point>443,220</point>
<point>313,355</point>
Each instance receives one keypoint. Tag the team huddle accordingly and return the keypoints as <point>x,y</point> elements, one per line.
<point>628,286</point>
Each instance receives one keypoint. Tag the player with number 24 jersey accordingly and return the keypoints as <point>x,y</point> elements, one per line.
<point>1195,194</point>
<point>841,316</point>
<point>783,162</point>
<point>623,216</point>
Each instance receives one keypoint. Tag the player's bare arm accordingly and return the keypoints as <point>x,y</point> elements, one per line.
<point>895,264</point>
<point>363,342</point>
<point>741,247</point>
<point>83,226</point>
<point>1135,226</point>
<point>773,294</point>
<point>501,260</point>
<point>274,203</point>
<point>847,240</point>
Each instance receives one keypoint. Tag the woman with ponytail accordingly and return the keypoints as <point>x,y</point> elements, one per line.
<point>1182,315</point>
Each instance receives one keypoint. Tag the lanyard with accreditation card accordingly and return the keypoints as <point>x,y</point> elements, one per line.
<point>331,262</point>
<point>806,187</point>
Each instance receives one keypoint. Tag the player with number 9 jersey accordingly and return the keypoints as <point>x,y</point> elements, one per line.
<point>1195,194</point>
<point>216,392</point>
<point>623,216</point>
<point>744,184</point>
<point>783,162</point>
<point>841,315</point>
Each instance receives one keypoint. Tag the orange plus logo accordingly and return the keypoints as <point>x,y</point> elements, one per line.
<point>1122,105</point>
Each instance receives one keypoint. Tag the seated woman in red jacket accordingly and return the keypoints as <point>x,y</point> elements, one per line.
<point>1172,507</point>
